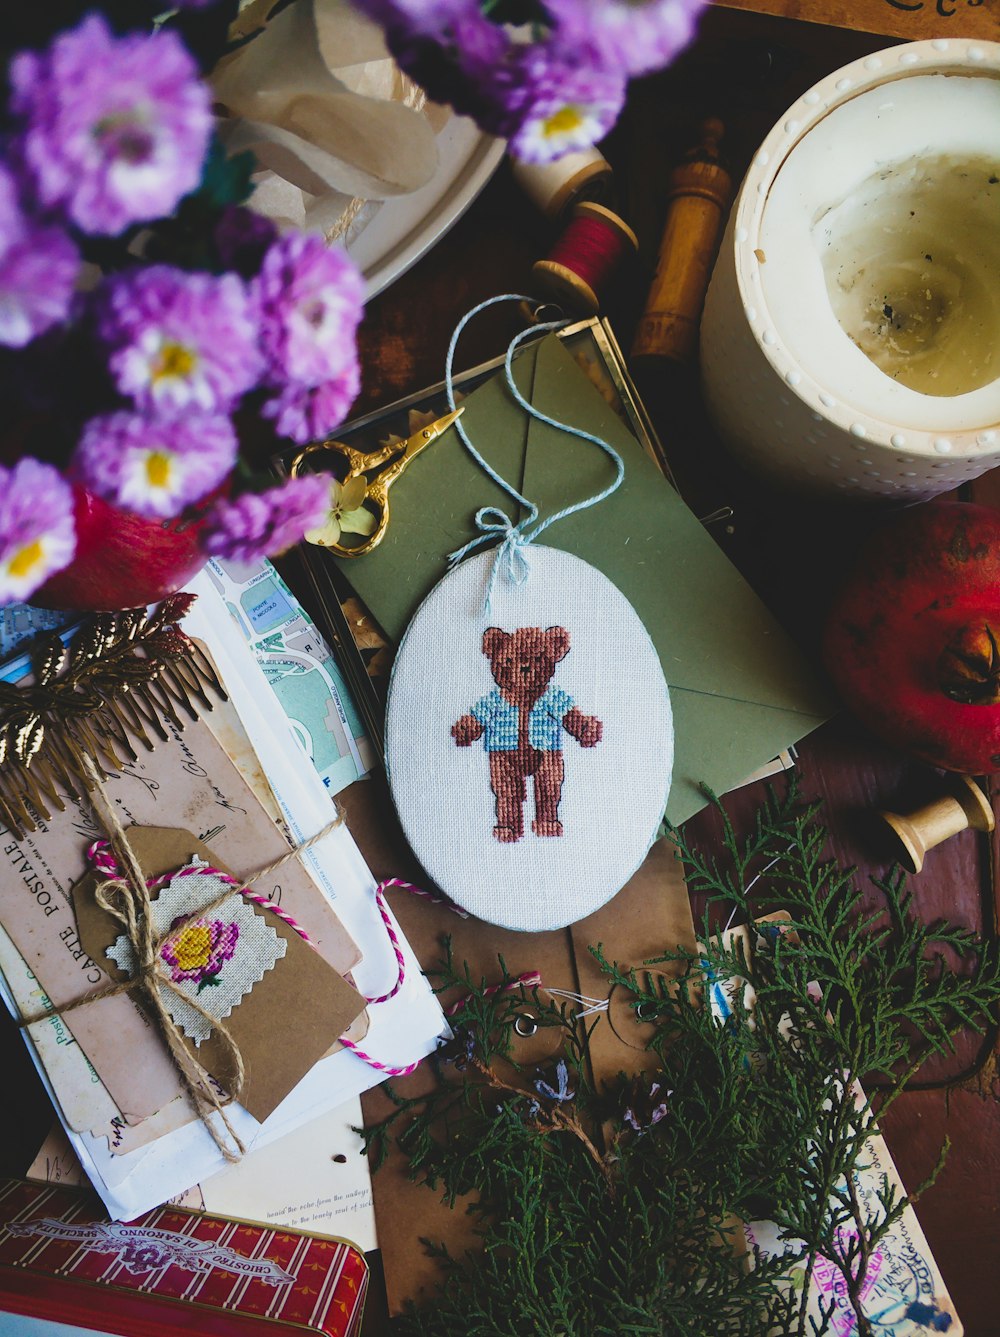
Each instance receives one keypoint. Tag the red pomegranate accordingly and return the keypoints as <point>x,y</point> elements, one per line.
<point>913,639</point>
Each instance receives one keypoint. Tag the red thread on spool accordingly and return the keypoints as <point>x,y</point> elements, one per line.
<point>577,270</point>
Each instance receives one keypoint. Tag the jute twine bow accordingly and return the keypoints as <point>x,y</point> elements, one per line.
<point>126,898</point>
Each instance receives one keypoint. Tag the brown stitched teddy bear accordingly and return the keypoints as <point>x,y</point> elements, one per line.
<point>521,723</point>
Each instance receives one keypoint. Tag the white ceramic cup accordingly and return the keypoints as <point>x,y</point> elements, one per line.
<point>851,334</point>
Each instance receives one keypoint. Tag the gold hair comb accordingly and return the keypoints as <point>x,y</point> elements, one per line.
<point>122,677</point>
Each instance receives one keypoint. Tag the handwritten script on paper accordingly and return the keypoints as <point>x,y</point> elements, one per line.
<point>912,19</point>
<point>189,782</point>
<point>946,9</point>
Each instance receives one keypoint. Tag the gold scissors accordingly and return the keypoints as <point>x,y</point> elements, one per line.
<point>361,504</point>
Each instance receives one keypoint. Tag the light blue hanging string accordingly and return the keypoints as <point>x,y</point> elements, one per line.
<point>491,521</point>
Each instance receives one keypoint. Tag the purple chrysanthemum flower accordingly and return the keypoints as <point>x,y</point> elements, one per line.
<point>114,129</point>
<point>624,36</point>
<point>38,271</point>
<point>309,299</point>
<point>309,413</point>
<point>179,340</point>
<point>154,467</point>
<point>262,524</point>
<point>565,108</point>
<point>479,44</point>
<point>13,223</point>
<point>242,238</point>
<point>463,59</point>
<point>37,278</point>
<point>423,18</point>
<point>37,535</point>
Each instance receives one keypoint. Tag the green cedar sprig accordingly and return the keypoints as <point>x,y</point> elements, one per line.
<point>617,1210</point>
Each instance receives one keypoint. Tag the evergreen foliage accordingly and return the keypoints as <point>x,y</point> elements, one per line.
<point>615,1212</point>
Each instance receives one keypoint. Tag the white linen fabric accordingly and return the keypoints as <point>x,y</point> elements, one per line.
<point>529,747</point>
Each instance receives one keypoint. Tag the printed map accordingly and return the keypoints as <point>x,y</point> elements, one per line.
<point>19,622</point>
<point>299,666</point>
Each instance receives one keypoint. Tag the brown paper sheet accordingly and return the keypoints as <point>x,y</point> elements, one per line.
<point>288,1020</point>
<point>650,915</point>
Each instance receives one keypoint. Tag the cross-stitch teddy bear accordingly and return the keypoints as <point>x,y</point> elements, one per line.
<point>521,724</point>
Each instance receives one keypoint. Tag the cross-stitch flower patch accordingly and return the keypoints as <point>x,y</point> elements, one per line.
<point>528,745</point>
<point>216,957</point>
<point>200,950</point>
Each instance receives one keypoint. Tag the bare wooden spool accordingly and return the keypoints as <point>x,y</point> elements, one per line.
<point>699,193</point>
<point>918,832</point>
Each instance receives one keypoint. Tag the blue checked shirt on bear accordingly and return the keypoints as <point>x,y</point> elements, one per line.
<point>499,720</point>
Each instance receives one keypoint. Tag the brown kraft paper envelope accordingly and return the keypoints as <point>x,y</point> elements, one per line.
<point>189,782</point>
<point>650,915</point>
<point>287,1021</point>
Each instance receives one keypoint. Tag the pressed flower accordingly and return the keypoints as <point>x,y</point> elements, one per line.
<point>113,129</point>
<point>347,513</point>
<point>309,298</point>
<point>37,536</point>
<point>626,36</point>
<point>179,340</point>
<point>565,109</point>
<point>648,1106</point>
<point>154,467</point>
<point>309,414</point>
<point>560,1091</point>
<point>262,524</point>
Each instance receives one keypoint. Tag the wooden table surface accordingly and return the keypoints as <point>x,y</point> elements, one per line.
<point>747,69</point>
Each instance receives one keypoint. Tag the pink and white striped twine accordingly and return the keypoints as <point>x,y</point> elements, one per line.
<point>101,857</point>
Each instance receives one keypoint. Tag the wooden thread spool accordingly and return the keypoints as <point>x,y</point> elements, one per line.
<point>700,190</point>
<point>920,831</point>
<point>580,266</point>
<point>554,187</point>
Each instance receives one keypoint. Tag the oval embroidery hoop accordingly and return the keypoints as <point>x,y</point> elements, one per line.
<point>529,736</point>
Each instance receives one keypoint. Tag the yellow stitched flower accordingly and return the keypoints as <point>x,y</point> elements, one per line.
<point>200,950</point>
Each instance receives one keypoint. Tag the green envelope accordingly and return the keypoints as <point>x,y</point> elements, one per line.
<point>740,690</point>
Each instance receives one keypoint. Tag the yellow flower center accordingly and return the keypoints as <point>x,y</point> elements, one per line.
<point>193,947</point>
<point>175,360</point>
<point>158,468</point>
<point>25,558</point>
<point>562,122</point>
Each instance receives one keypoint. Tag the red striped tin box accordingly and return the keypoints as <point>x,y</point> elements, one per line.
<point>62,1260</point>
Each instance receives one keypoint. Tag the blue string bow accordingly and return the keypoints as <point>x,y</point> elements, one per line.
<point>491,521</point>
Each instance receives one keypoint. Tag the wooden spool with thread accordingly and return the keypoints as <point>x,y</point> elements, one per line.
<point>578,270</point>
<point>555,187</point>
<point>968,807</point>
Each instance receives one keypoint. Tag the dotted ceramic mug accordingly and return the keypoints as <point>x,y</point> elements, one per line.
<point>851,333</point>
